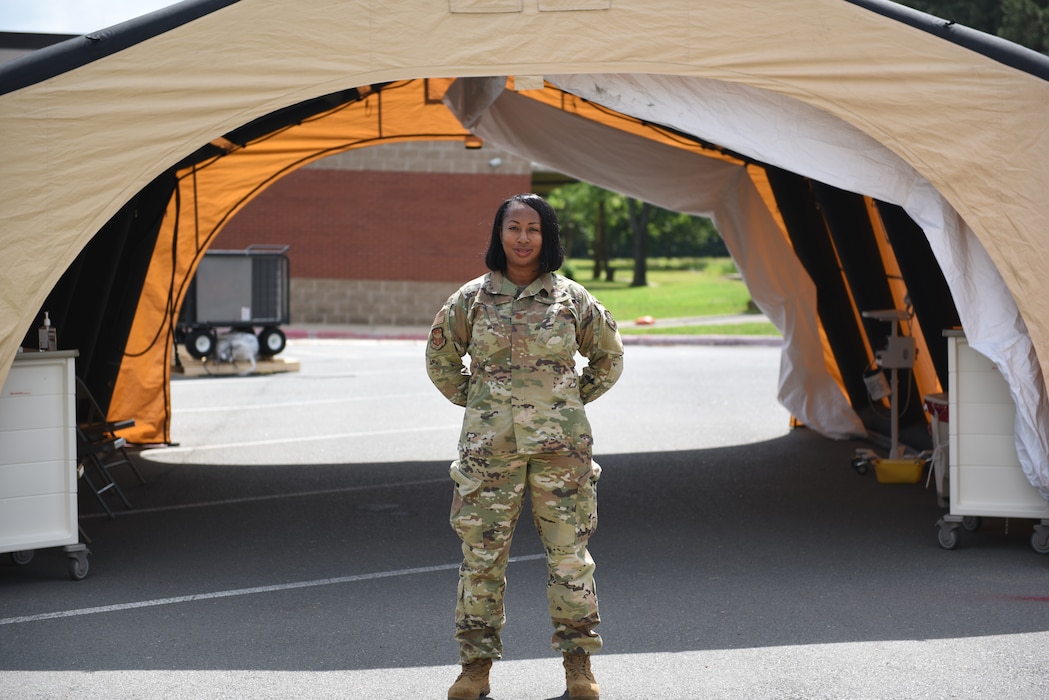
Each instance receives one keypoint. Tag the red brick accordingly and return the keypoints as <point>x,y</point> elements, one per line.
<point>346,224</point>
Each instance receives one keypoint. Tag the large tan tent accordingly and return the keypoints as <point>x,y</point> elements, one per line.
<point>854,155</point>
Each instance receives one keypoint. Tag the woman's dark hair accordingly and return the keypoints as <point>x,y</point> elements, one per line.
<point>551,255</point>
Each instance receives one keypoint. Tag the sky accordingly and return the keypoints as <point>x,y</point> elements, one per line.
<point>71,16</point>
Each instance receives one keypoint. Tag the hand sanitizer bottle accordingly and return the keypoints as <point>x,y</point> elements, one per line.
<point>48,336</point>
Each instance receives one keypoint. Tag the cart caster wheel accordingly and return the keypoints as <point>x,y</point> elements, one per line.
<point>947,535</point>
<point>78,564</point>
<point>1040,539</point>
<point>860,465</point>
<point>78,568</point>
<point>22,558</point>
<point>972,523</point>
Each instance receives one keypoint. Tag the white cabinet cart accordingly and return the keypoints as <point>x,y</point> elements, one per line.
<point>985,476</point>
<point>38,459</point>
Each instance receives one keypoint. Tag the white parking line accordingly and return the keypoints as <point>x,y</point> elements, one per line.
<point>298,438</point>
<point>240,592</point>
<point>286,404</point>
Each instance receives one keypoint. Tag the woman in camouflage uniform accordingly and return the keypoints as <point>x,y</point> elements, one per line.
<point>524,428</point>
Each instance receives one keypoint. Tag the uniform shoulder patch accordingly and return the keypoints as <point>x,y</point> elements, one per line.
<point>609,320</point>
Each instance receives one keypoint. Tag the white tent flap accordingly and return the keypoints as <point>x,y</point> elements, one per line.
<point>784,132</point>
<point>691,183</point>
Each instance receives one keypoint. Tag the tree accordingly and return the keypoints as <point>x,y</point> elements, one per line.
<point>639,212</point>
<point>601,241</point>
<point>1026,22</point>
<point>600,225</point>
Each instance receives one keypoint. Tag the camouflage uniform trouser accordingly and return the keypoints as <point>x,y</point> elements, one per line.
<point>486,505</point>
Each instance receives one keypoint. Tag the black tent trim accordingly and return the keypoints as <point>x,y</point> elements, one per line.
<point>54,60</point>
<point>65,56</point>
<point>993,47</point>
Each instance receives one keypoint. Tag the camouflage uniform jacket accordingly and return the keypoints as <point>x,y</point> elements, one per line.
<point>522,393</point>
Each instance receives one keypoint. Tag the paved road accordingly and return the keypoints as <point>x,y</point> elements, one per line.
<point>294,544</point>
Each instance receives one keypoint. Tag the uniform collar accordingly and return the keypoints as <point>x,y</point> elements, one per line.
<point>498,284</point>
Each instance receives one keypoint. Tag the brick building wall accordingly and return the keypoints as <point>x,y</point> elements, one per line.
<point>381,235</point>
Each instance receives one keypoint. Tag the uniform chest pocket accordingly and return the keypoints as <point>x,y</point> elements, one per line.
<point>556,329</point>
<point>490,334</point>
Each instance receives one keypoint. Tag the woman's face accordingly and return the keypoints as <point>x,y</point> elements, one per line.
<point>522,239</point>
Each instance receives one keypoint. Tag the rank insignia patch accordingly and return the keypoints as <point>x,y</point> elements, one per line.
<point>437,339</point>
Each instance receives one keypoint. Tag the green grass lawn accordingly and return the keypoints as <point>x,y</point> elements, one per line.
<point>676,289</point>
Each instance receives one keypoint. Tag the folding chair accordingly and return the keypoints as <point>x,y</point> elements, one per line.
<point>95,455</point>
<point>99,433</point>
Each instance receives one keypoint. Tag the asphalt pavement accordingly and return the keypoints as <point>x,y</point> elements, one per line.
<point>294,544</point>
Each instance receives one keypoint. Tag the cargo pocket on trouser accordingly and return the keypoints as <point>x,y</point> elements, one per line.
<point>586,508</point>
<point>464,517</point>
<point>594,475</point>
<point>564,503</point>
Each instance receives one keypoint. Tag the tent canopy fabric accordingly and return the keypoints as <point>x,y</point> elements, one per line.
<point>211,189</point>
<point>855,132</point>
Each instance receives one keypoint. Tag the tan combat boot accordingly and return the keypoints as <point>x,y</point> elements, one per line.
<point>580,679</point>
<point>472,683</point>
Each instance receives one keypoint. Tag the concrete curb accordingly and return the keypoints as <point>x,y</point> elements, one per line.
<point>628,339</point>
<point>367,332</point>
<point>345,333</point>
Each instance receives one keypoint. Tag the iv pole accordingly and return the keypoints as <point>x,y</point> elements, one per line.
<point>897,354</point>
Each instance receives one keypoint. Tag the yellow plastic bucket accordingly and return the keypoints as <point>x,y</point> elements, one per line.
<point>898,471</point>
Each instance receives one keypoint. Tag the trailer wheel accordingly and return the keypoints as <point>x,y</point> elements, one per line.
<point>271,341</point>
<point>200,342</point>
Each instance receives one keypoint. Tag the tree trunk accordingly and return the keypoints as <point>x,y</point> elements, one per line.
<point>600,248</point>
<point>639,214</point>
